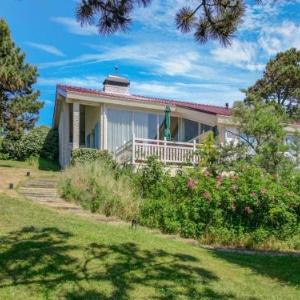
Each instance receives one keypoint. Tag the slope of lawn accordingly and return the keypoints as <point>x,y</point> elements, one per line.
<point>45,254</point>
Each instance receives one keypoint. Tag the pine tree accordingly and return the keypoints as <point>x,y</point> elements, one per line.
<point>19,104</point>
<point>206,19</point>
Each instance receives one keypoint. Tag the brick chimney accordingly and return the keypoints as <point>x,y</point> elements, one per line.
<point>116,85</point>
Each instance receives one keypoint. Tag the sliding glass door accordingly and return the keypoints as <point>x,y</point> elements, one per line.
<point>119,128</point>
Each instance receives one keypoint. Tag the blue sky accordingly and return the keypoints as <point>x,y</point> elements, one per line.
<point>158,60</point>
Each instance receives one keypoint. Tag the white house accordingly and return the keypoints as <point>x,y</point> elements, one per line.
<point>131,126</point>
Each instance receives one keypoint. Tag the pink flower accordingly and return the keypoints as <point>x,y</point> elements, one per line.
<point>253,194</point>
<point>248,210</point>
<point>191,184</point>
<point>207,196</point>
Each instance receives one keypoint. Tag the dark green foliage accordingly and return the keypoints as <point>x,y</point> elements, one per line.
<point>112,15</point>
<point>84,155</point>
<point>3,156</point>
<point>210,19</point>
<point>153,180</point>
<point>50,146</point>
<point>19,106</point>
<point>39,142</point>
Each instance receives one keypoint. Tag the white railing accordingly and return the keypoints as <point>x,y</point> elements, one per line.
<point>138,150</point>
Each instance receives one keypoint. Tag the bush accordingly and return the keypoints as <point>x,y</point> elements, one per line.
<point>247,208</point>
<point>3,156</point>
<point>152,180</point>
<point>95,187</point>
<point>85,155</point>
<point>39,142</point>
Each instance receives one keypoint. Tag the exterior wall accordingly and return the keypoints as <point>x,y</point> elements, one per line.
<point>76,125</point>
<point>116,89</point>
<point>63,129</point>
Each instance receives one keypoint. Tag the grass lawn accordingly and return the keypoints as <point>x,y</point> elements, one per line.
<point>51,255</point>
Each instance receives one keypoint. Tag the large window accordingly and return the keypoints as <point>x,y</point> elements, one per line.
<point>119,128</point>
<point>145,125</point>
<point>121,124</point>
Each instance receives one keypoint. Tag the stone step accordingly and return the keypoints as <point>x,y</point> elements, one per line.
<point>40,183</point>
<point>44,199</point>
<point>39,192</point>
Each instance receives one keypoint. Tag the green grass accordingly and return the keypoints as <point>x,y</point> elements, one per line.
<point>35,163</point>
<point>45,254</point>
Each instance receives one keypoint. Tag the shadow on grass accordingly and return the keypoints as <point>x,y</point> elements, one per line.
<point>46,257</point>
<point>5,165</point>
<point>283,268</point>
<point>47,165</point>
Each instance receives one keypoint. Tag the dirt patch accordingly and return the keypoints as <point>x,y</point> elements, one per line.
<point>11,175</point>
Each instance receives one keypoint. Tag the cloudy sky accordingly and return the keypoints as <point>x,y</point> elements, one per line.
<point>158,60</point>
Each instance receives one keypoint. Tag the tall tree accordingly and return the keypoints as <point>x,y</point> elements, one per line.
<point>19,104</point>
<point>280,83</point>
<point>207,19</point>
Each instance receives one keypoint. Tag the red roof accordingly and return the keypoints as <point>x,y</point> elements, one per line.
<point>210,109</point>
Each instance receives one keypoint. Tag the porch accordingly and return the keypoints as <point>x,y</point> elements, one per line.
<point>132,136</point>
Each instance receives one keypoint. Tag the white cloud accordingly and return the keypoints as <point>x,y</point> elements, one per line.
<point>86,81</point>
<point>74,27</point>
<point>165,58</point>
<point>214,95</point>
<point>47,48</point>
<point>278,38</point>
<point>240,54</point>
<point>208,93</point>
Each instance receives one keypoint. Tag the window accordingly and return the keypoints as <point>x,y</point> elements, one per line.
<point>71,122</point>
<point>161,126</point>
<point>191,129</point>
<point>204,128</point>
<point>174,128</point>
<point>82,125</point>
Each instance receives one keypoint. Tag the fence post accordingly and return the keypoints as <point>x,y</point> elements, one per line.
<point>165,149</point>
<point>133,149</point>
<point>194,150</point>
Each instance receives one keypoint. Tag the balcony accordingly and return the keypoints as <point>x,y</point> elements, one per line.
<point>138,150</point>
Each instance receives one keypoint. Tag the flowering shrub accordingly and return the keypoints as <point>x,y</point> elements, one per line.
<point>249,206</point>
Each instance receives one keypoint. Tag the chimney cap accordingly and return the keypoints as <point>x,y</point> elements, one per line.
<point>116,80</point>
